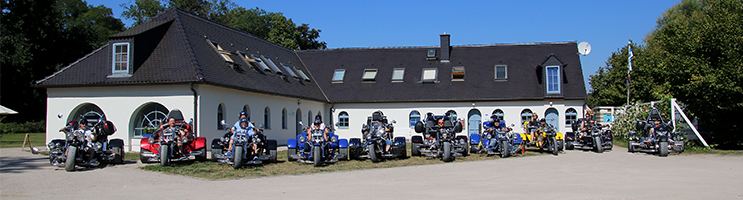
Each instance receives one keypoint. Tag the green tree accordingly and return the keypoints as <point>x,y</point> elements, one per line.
<point>40,36</point>
<point>609,84</point>
<point>274,27</point>
<point>699,46</point>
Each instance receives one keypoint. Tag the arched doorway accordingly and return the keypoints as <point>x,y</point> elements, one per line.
<point>149,117</point>
<point>298,129</point>
<point>553,118</point>
<point>474,118</point>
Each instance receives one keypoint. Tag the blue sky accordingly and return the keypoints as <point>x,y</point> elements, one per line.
<point>606,25</point>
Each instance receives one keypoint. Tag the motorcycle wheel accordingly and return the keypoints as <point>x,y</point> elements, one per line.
<point>597,143</point>
<point>630,148</point>
<point>663,149</point>
<point>289,153</point>
<point>466,149</point>
<point>553,146</point>
<point>414,149</point>
<point>118,155</point>
<point>142,158</point>
<point>238,157</point>
<point>214,153</point>
<point>504,149</point>
<point>373,153</point>
<point>317,155</point>
<point>164,155</point>
<point>69,164</point>
<point>202,157</point>
<point>560,145</point>
<point>447,152</point>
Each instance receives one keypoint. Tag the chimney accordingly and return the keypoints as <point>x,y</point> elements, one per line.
<point>445,47</point>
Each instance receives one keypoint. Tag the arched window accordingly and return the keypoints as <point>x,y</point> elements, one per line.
<point>525,115</point>
<point>149,118</point>
<point>343,120</point>
<point>498,113</point>
<point>220,117</point>
<point>451,114</point>
<point>283,119</point>
<point>267,118</point>
<point>570,117</point>
<point>415,116</point>
<point>246,108</point>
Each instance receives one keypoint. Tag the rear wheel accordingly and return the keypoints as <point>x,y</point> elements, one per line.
<point>69,164</point>
<point>215,152</point>
<point>118,155</point>
<point>466,148</point>
<point>290,153</point>
<point>663,149</point>
<point>504,149</point>
<point>404,153</point>
<point>447,152</point>
<point>142,158</point>
<point>414,149</point>
<point>238,157</point>
<point>553,145</point>
<point>599,146</point>
<point>317,155</point>
<point>630,148</point>
<point>560,145</point>
<point>373,153</point>
<point>202,157</point>
<point>273,154</point>
<point>164,155</point>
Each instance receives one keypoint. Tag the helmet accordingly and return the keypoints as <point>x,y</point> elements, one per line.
<point>496,120</point>
<point>84,121</point>
<point>244,120</point>
<point>542,120</point>
<point>318,119</point>
<point>245,113</point>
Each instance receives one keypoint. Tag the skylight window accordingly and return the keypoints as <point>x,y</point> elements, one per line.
<point>431,53</point>
<point>225,54</point>
<point>369,75</point>
<point>262,64</point>
<point>289,70</point>
<point>457,73</point>
<point>397,74</point>
<point>271,64</point>
<point>301,73</point>
<point>429,75</point>
<point>338,75</point>
<point>500,72</point>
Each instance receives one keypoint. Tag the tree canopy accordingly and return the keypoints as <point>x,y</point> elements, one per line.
<point>274,27</point>
<point>37,38</point>
<point>694,55</point>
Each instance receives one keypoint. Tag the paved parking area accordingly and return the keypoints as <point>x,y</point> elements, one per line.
<point>573,175</point>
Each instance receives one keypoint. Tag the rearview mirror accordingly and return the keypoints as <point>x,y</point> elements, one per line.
<point>300,123</point>
<point>512,125</point>
<point>222,122</point>
<point>394,121</point>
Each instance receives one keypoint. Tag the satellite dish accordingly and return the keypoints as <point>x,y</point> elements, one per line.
<point>584,48</point>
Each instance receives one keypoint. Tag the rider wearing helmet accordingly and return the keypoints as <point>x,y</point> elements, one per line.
<point>89,136</point>
<point>243,127</point>
<point>497,126</point>
<point>316,125</point>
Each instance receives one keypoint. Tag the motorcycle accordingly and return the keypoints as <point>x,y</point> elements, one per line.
<point>499,138</point>
<point>439,142</point>
<point>242,151</point>
<point>163,148</point>
<point>662,141</point>
<point>314,149</point>
<point>374,142</point>
<point>550,139</point>
<point>71,151</point>
<point>598,138</point>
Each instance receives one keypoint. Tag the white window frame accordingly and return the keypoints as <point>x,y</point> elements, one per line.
<point>435,75</point>
<point>501,115</point>
<point>399,72</point>
<point>525,115</point>
<point>547,79</point>
<point>336,78</point>
<point>369,75</point>
<point>413,115</point>
<point>262,63</point>
<point>505,69</point>
<point>127,60</point>
<point>343,120</point>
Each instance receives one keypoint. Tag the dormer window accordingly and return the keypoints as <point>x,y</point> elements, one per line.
<point>500,72</point>
<point>552,79</point>
<point>429,75</point>
<point>225,54</point>
<point>431,54</point>
<point>369,75</point>
<point>120,61</point>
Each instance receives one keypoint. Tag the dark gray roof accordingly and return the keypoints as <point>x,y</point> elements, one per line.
<point>173,47</point>
<point>524,66</point>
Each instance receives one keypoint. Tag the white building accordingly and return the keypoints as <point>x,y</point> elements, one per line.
<point>212,72</point>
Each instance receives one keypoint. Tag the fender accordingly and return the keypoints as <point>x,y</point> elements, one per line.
<point>474,139</point>
<point>570,136</point>
<point>462,137</point>
<point>144,143</point>
<point>517,139</point>
<point>342,143</point>
<point>272,144</point>
<point>354,142</point>
<point>416,139</point>
<point>291,144</point>
<point>198,143</point>
<point>399,141</point>
<point>559,136</point>
<point>116,143</point>
<point>216,143</point>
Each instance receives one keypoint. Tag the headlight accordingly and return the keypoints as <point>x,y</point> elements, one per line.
<point>490,136</point>
<point>302,139</point>
<point>334,139</point>
<point>427,135</point>
<point>50,145</point>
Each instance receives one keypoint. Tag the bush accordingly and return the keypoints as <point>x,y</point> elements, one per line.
<point>27,127</point>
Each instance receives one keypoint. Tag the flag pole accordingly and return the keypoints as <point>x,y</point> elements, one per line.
<point>629,63</point>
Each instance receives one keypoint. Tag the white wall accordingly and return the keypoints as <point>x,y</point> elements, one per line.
<point>118,104</point>
<point>400,111</point>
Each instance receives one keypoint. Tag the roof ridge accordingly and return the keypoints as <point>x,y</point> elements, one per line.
<point>71,64</point>
<point>423,47</point>
<point>189,48</point>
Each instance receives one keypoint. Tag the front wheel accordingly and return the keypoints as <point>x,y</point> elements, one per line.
<point>663,149</point>
<point>238,157</point>
<point>504,149</point>
<point>599,146</point>
<point>69,164</point>
<point>553,145</point>
<point>447,152</point>
<point>373,153</point>
<point>317,155</point>
<point>164,155</point>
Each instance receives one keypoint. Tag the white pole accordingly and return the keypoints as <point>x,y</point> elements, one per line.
<point>673,103</point>
<point>673,114</point>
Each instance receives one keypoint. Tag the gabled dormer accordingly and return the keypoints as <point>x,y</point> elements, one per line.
<point>551,75</point>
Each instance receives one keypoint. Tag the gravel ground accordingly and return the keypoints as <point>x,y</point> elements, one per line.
<point>572,175</point>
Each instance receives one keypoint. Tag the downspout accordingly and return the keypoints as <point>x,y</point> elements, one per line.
<point>195,106</point>
<point>332,111</point>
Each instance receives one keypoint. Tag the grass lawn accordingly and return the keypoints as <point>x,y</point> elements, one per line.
<point>215,170</point>
<point>38,140</point>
